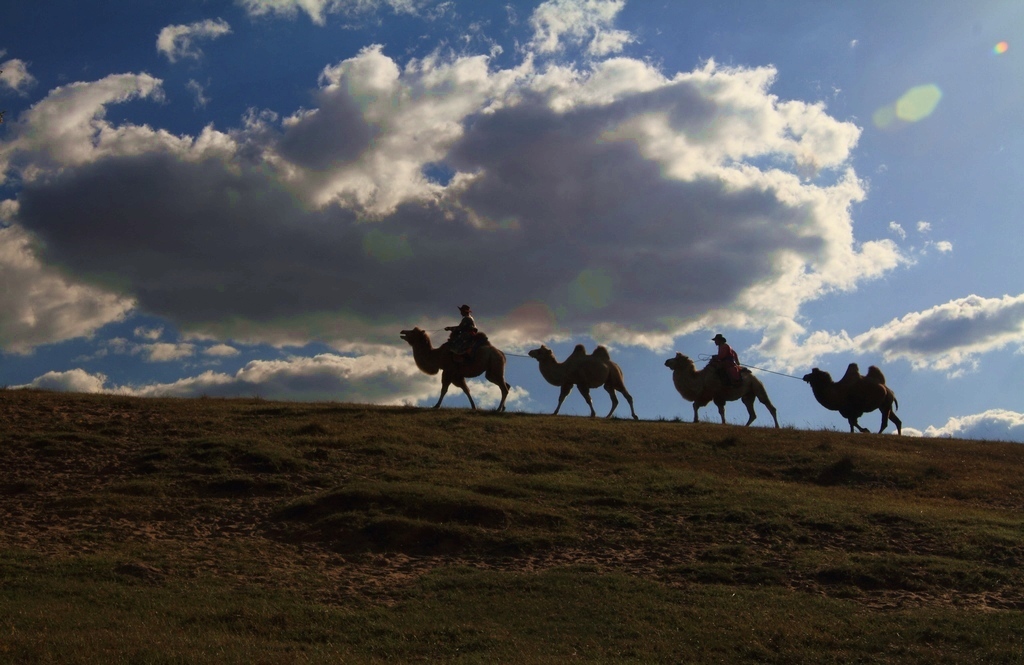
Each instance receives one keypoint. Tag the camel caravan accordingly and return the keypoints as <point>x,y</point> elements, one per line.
<point>468,353</point>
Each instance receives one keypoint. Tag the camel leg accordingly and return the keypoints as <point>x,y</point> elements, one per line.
<point>748,401</point>
<point>461,383</point>
<point>855,426</point>
<point>503,386</point>
<point>615,400</point>
<point>629,400</point>
<point>886,417</point>
<point>771,409</point>
<point>585,391</point>
<point>721,410</point>
<point>444,391</point>
<point>695,409</point>
<point>561,397</point>
<point>898,422</point>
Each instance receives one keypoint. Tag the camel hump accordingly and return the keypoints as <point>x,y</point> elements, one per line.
<point>852,374</point>
<point>579,351</point>
<point>602,353</point>
<point>876,375</point>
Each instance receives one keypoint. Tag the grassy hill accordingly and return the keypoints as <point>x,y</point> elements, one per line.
<point>244,531</point>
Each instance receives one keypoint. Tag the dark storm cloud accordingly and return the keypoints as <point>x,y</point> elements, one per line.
<point>332,135</point>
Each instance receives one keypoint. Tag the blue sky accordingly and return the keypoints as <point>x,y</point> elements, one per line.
<point>255,197</point>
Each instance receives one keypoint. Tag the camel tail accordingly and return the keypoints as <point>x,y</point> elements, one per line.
<point>602,353</point>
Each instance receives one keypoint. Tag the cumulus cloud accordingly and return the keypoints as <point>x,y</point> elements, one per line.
<point>14,75</point>
<point>166,351</point>
<point>386,377</point>
<point>588,23</point>
<point>179,41</point>
<point>68,127</point>
<point>41,306</point>
<point>75,381</point>
<point>948,337</point>
<point>317,10</point>
<point>616,201</point>
<point>152,334</point>
<point>221,351</point>
<point>994,425</point>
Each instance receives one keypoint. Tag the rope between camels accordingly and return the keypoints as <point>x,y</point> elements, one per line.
<point>704,356</point>
<point>772,372</point>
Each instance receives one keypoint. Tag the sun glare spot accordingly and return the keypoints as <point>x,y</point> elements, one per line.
<point>918,103</point>
<point>1001,48</point>
<point>915,104</point>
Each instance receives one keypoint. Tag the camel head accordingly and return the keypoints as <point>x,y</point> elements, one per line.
<point>818,377</point>
<point>679,362</point>
<point>542,354</point>
<point>414,336</point>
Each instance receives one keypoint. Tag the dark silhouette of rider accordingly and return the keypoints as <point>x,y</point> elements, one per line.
<point>462,335</point>
<point>726,360</point>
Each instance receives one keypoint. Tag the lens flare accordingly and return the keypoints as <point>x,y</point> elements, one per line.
<point>918,103</point>
<point>1001,48</point>
<point>592,289</point>
<point>915,104</point>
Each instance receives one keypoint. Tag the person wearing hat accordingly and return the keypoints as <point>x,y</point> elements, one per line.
<point>462,334</point>
<point>726,359</point>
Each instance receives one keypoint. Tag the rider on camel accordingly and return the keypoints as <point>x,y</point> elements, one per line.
<point>726,360</point>
<point>462,335</point>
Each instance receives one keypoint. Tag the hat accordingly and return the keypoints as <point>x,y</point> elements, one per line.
<point>464,307</point>
<point>718,339</point>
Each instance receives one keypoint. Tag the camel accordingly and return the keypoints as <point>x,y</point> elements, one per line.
<point>705,385</point>
<point>585,372</point>
<point>486,359</point>
<point>854,395</point>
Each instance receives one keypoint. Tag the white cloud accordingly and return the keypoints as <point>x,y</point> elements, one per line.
<point>75,381</point>
<point>68,128</point>
<point>39,305</point>
<point>318,9</point>
<point>948,337</point>
<point>558,23</point>
<point>199,92</point>
<point>179,41</point>
<point>151,334</point>
<point>166,352</point>
<point>383,378</point>
<point>896,229</point>
<point>221,351</point>
<point>14,75</point>
<point>994,424</point>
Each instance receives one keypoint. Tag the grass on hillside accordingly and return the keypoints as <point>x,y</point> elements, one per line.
<point>207,530</point>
